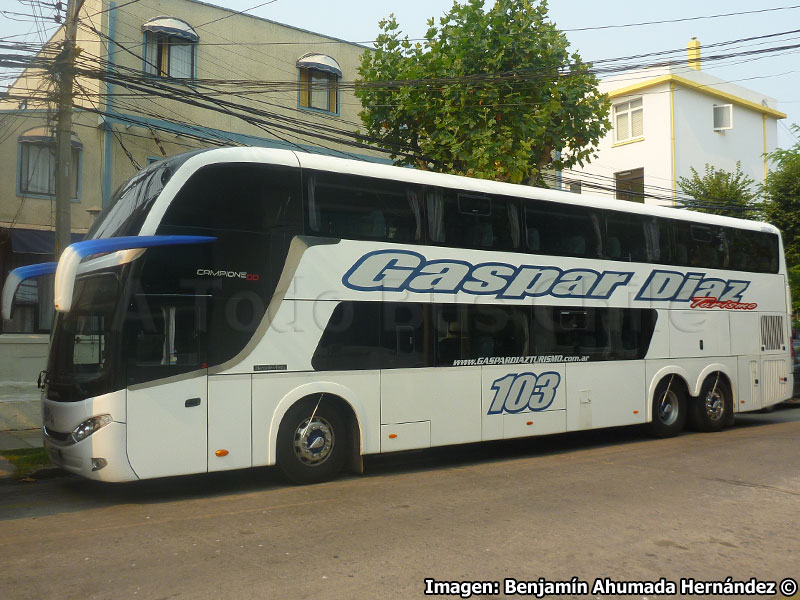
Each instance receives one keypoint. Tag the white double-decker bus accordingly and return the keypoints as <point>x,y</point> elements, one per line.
<point>244,307</point>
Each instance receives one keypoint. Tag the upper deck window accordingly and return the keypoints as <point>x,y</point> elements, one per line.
<point>342,206</point>
<point>472,220</point>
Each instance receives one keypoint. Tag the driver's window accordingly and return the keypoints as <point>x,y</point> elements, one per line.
<point>164,336</point>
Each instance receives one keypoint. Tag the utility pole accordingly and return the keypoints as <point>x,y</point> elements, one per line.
<point>64,166</point>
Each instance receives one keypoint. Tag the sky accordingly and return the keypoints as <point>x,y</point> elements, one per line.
<point>775,75</point>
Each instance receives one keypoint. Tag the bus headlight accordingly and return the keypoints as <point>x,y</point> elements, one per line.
<point>89,426</point>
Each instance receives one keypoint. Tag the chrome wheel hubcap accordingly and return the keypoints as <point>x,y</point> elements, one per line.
<point>715,405</point>
<point>313,441</point>
<point>668,409</point>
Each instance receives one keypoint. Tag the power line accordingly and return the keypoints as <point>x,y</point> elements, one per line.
<point>683,19</point>
<point>241,12</point>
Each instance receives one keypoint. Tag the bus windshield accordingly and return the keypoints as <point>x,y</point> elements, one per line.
<point>129,206</point>
<point>84,340</point>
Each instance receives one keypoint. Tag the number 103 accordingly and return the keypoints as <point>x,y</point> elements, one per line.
<point>516,392</point>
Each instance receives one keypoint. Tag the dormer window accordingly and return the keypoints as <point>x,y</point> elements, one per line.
<point>170,48</point>
<point>319,82</point>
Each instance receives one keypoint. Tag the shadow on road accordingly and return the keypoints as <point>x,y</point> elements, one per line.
<point>71,493</point>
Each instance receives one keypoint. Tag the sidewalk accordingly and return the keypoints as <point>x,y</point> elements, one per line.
<point>14,440</point>
<point>20,406</point>
<point>24,438</point>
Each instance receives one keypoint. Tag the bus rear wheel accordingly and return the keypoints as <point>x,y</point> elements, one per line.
<point>669,409</point>
<point>312,441</point>
<point>712,408</point>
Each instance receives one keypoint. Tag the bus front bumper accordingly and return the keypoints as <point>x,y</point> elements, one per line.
<point>101,456</point>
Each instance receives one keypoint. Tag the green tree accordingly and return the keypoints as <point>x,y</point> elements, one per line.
<point>491,94</point>
<point>720,192</point>
<point>781,207</point>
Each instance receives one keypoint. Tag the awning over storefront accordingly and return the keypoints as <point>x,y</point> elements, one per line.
<point>320,62</point>
<point>172,27</point>
<point>45,135</point>
<point>33,241</point>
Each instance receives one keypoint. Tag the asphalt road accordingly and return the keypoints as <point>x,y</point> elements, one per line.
<point>613,503</point>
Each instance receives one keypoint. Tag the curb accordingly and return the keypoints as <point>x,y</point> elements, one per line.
<point>7,471</point>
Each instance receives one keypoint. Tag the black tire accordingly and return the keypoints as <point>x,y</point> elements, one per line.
<point>669,408</point>
<point>712,409</point>
<point>315,451</point>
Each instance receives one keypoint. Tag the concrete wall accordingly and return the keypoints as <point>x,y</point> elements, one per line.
<point>22,357</point>
<point>700,144</point>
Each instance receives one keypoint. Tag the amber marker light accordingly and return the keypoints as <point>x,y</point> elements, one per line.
<point>392,436</point>
<point>221,453</point>
<point>529,423</point>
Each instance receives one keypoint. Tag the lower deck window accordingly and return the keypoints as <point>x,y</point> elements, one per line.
<point>375,335</point>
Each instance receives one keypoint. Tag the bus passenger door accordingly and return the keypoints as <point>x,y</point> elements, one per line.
<point>167,424</point>
<point>167,385</point>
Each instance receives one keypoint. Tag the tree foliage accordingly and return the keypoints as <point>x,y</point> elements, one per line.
<point>720,192</point>
<point>492,94</point>
<point>782,208</point>
<point>782,202</point>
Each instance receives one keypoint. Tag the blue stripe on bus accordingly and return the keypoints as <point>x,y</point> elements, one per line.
<point>90,247</point>
<point>34,270</point>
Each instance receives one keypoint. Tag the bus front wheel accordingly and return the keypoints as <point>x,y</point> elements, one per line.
<point>312,441</point>
<point>712,408</point>
<point>669,409</point>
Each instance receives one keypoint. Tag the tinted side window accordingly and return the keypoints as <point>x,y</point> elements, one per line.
<point>404,338</point>
<point>237,197</point>
<point>753,251</point>
<point>164,336</point>
<point>562,230</point>
<point>626,237</point>
<point>701,246</point>
<point>497,331</point>
<point>660,241</point>
<point>597,333</point>
<point>480,331</point>
<point>351,339</point>
<point>360,208</point>
<point>374,335</point>
<point>469,220</point>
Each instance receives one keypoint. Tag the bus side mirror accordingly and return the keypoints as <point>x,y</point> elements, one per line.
<point>15,279</point>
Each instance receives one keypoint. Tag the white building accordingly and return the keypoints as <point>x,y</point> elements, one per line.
<point>666,120</point>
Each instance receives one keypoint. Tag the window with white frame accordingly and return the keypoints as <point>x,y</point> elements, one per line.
<point>723,117</point>
<point>170,48</point>
<point>37,164</point>
<point>628,120</point>
<point>319,76</point>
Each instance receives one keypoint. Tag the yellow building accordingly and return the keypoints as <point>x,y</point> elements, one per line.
<point>156,78</point>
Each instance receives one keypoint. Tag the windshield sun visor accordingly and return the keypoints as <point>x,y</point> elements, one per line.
<point>69,265</point>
